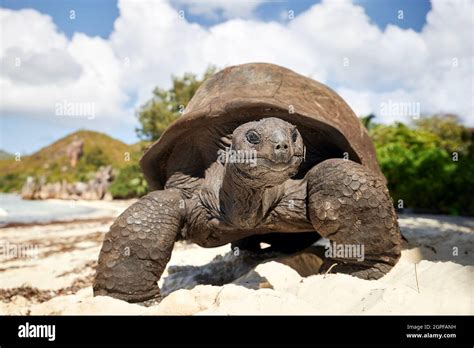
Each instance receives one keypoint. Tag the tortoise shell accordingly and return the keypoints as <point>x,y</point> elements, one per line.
<point>249,92</point>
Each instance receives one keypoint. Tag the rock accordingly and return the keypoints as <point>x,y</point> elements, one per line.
<point>74,151</point>
<point>108,196</point>
<point>94,189</point>
<point>64,192</point>
<point>29,188</point>
<point>79,188</point>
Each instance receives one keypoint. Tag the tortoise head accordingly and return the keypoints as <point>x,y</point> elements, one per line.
<point>268,151</point>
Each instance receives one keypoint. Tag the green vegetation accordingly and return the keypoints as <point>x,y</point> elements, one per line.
<point>129,183</point>
<point>167,105</point>
<point>11,182</point>
<point>428,166</point>
<point>53,164</point>
<point>155,116</point>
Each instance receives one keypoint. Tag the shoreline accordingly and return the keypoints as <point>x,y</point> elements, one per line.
<point>56,222</point>
<point>70,211</point>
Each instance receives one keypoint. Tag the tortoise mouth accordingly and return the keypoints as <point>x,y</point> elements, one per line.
<point>279,166</point>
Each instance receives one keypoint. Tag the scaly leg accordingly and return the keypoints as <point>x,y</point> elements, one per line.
<point>351,206</point>
<point>138,247</point>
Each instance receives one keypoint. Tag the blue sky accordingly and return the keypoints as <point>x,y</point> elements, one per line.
<point>97,17</point>
<point>92,17</point>
<point>380,12</point>
<point>26,134</point>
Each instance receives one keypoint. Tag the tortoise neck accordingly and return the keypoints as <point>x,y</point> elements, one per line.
<point>241,199</point>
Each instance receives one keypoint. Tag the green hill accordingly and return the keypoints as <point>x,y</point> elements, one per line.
<point>5,155</point>
<point>53,162</point>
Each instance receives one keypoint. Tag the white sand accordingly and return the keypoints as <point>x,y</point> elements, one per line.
<point>429,279</point>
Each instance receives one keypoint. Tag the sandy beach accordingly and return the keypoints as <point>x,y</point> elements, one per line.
<point>47,269</point>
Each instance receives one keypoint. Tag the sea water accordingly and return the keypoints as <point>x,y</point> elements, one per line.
<point>14,209</point>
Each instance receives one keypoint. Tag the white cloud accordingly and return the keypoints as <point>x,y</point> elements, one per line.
<point>55,66</point>
<point>150,42</point>
<point>26,28</point>
<point>41,68</point>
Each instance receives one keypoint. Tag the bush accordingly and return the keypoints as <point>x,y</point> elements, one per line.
<point>166,105</point>
<point>11,182</point>
<point>421,170</point>
<point>129,183</point>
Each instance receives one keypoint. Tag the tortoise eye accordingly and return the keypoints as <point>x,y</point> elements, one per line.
<point>253,137</point>
<point>294,135</point>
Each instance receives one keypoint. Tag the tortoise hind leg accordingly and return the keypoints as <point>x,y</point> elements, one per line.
<point>351,207</point>
<point>138,246</point>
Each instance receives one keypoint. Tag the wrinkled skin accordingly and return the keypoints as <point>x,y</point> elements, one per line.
<point>249,202</point>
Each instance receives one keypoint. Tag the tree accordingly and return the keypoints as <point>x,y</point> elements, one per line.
<point>167,105</point>
<point>129,183</point>
<point>453,135</point>
<point>420,167</point>
<point>367,121</point>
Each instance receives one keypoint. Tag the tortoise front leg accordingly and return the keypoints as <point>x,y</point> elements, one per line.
<point>138,246</point>
<point>351,206</point>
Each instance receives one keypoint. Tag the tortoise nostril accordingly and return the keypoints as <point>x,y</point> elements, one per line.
<point>282,147</point>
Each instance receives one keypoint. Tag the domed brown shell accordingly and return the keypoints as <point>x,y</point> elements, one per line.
<point>247,92</point>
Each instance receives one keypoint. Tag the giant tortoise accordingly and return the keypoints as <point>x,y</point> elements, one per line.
<point>261,154</point>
